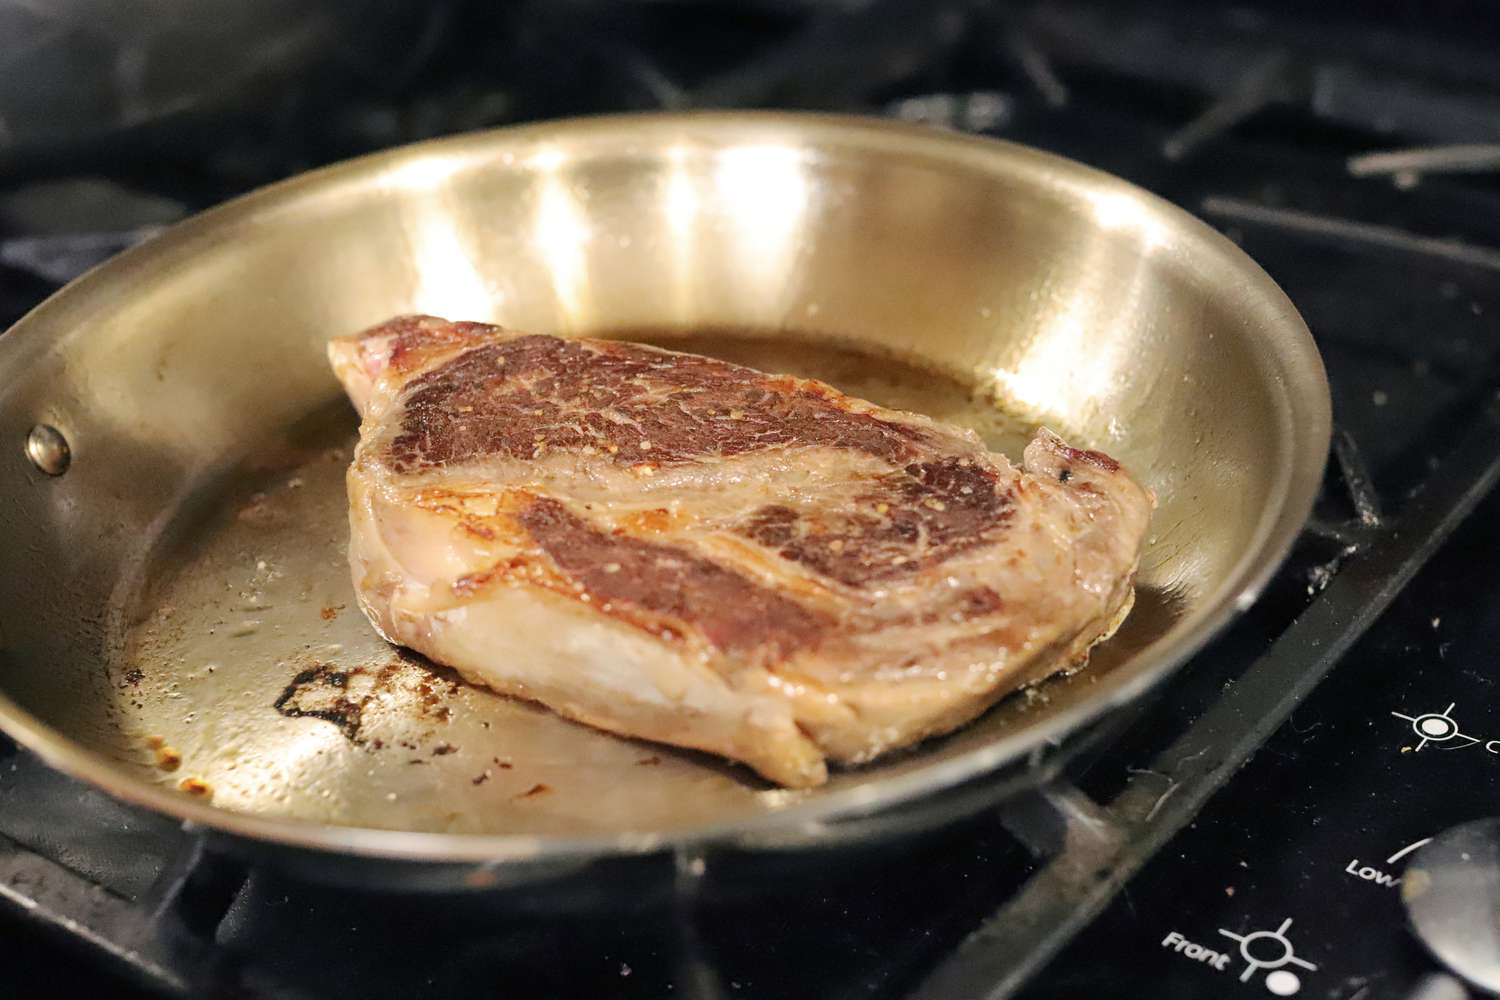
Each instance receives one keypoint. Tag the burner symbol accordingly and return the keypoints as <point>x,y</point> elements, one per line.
<point>1270,950</point>
<point>1439,728</point>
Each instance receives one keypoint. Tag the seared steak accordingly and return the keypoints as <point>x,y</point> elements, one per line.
<point>677,548</point>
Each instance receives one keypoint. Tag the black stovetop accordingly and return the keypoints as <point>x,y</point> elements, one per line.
<point>1316,829</point>
<point>1240,116</point>
<point>1339,786</point>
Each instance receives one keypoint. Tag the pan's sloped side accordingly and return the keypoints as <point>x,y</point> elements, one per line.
<point>170,606</point>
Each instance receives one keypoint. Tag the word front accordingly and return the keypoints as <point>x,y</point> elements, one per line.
<point>1197,952</point>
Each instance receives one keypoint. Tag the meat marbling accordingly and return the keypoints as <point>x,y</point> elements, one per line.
<point>681,549</point>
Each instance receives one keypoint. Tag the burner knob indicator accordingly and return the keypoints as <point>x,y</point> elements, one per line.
<point>1451,889</point>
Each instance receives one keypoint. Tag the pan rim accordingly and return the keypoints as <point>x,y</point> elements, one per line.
<point>1306,425</point>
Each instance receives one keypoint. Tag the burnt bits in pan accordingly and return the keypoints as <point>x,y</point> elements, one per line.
<point>401,693</point>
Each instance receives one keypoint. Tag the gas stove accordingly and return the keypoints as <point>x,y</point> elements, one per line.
<point>1244,832</point>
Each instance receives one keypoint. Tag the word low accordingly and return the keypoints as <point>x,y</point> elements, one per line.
<point>1197,952</point>
<point>1370,874</point>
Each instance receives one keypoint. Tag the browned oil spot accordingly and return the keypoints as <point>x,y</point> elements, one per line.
<point>341,695</point>
<point>651,761</point>
<point>168,758</point>
<point>196,786</point>
<point>504,765</point>
<point>155,742</point>
<point>434,689</point>
<point>320,692</point>
<point>480,779</point>
<point>261,510</point>
<point>329,613</point>
<point>443,749</point>
<point>535,790</point>
<point>134,676</point>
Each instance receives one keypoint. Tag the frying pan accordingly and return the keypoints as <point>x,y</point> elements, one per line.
<point>177,624</point>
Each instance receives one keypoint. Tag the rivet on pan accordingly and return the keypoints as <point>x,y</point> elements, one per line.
<point>48,449</point>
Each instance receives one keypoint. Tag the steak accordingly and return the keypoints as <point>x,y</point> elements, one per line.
<point>677,548</point>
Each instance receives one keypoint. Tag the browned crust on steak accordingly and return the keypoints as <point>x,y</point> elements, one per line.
<point>526,396</point>
<point>663,587</point>
<point>1097,459</point>
<point>415,338</point>
<point>912,519</point>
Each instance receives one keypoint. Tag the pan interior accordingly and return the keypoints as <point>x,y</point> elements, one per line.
<point>181,605</point>
<point>252,679</point>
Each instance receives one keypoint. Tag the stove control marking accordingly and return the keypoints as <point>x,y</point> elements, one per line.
<point>1441,729</point>
<point>1376,876</point>
<point>1271,950</point>
<point>1407,850</point>
<point>1369,873</point>
<point>1215,960</point>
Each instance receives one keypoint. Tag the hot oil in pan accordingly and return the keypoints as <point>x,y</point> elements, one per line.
<point>252,672</point>
<point>888,381</point>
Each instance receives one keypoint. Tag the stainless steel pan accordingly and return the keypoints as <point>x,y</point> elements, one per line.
<point>177,622</point>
